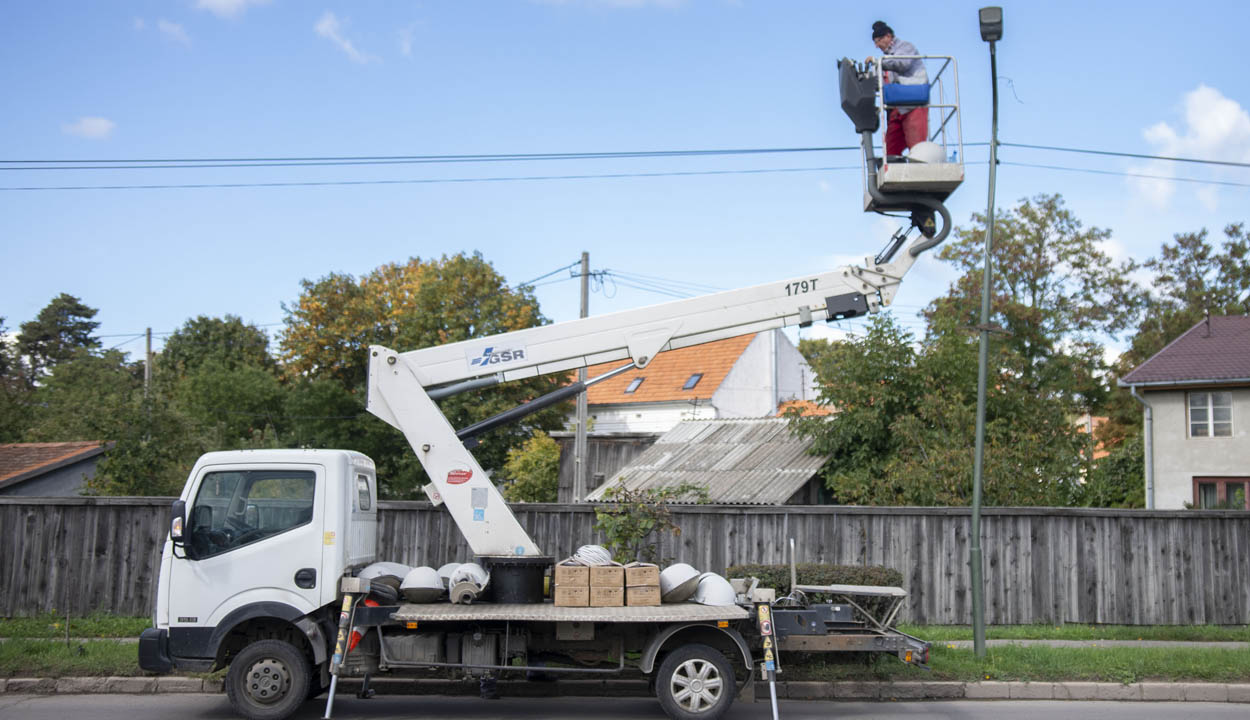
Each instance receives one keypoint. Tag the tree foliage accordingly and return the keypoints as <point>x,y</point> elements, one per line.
<point>904,431</point>
<point>1056,294</point>
<point>60,330</point>
<point>407,307</point>
<point>533,470</point>
<point>227,343</point>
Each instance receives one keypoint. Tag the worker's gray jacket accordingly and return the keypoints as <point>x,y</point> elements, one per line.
<point>906,72</point>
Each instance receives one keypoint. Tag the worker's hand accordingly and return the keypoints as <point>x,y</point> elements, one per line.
<point>869,60</point>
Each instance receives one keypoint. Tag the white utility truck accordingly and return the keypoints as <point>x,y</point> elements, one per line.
<point>260,570</point>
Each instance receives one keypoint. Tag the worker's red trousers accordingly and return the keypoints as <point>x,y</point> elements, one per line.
<point>905,130</point>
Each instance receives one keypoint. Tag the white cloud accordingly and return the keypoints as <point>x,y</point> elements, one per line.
<point>173,31</point>
<point>1214,127</point>
<point>331,29</point>
<point>92,128</point>
<point>140,24</point>
<point>227,8</point>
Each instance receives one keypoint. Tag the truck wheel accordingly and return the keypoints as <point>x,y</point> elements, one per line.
<point>695,681</point>
<point>268,680</point>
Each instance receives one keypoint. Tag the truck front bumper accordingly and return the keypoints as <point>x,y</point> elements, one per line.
<point>154,651</point>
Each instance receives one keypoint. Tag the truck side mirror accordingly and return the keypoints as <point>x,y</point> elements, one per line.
<point>178,523</point>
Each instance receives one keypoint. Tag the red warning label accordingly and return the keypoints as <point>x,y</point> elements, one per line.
<point>456,477</point>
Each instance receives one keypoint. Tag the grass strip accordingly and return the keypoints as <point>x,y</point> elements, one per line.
<point>1123,665</point>
<point>33,657</point>
<point>95,625</point>
<point>1189,633</point>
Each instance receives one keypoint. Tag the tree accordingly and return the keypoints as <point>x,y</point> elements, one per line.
<point>533,470</point>
<point>228,343</point>
<point>14,390</point>
<point>905,426</point>
<point>62,328</point>
<point>1056,294</point>
<point>1191,278</point>
<point>410,306</point>
<point>232,405</point>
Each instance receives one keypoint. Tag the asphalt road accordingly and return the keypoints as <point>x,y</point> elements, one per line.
<point>215,707</point>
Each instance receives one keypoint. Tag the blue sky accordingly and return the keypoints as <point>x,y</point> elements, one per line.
<point>242,78</point>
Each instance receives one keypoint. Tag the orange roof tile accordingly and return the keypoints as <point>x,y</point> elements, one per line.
<point>805,408</point>
<point>668,372</point>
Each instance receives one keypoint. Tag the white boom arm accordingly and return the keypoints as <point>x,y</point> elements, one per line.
<point>397,381</point>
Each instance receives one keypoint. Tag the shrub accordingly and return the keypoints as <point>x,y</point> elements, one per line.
<point>533,470</point>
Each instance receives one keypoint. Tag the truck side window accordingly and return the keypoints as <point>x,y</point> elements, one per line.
<point>363,500</point>
<point>238,508</point>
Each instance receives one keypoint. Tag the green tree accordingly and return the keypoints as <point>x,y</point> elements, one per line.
<point>227,343</point>
<point>1119,479</point>
<point>905,426</point>
<point>533,470</point>
<point>409,306</point>
<point>62,328</point>
<point>100,397</point>
<point>14,390</point>
<point>634,522</point>
<point>1056,294</point>
<point>232,405</point>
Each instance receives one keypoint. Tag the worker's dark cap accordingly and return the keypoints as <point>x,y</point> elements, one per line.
<point>880,29</point>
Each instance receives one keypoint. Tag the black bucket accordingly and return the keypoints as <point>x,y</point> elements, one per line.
<point>516,578</point>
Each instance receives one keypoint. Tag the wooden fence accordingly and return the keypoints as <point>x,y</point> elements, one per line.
<point>1052,565</point>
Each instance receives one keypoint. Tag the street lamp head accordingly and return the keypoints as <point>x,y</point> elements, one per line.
<point>991,23</point>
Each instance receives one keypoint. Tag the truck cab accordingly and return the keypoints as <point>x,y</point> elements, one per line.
<point>258,541</point>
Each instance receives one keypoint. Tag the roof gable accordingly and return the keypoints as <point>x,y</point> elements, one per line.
<point>22,461</point>
<point>664,377</point>
<point>1215,350</point>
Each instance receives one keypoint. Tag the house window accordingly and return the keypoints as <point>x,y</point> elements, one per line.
<point>694,380</point>
<point>1222,493</point>
<point>633,385</point>
<point>1210,414</point>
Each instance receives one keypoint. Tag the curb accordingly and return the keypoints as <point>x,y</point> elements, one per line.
<point>791,690</point>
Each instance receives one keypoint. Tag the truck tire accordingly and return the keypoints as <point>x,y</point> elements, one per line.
<point>695,682</point>
<point>268,680</point>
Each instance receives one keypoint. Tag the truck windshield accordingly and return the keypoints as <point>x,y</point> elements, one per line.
<point>237,508</point>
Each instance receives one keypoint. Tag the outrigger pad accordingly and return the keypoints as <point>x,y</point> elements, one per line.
<point>859,96</point>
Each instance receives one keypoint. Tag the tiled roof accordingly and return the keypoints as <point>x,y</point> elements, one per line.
<point>1216,352</point>
<point>806,408</point>
<point>664,377</point>
<point>22,461</point>
<point>740,461</point>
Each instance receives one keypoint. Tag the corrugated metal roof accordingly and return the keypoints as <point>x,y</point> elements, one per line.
<point>740,461</point>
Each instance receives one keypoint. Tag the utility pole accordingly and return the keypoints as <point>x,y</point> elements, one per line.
<point>991,20</point>
<point>580,461</point>
<point>147,364</point>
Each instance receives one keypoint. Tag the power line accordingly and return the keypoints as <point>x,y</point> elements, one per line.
<point>1147,176</point>
<point>1141,156</point>
<point>183,163</point>
<point>325,183</point>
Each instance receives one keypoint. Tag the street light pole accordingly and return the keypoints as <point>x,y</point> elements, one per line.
<point>991,20</point>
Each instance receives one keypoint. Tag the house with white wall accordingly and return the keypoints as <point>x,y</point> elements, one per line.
<point>1195,396</point>
<point>749,376</point>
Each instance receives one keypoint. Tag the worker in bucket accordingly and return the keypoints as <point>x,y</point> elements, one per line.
<point>905,127</point>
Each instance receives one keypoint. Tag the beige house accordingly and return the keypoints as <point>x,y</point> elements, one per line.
<point>1195,396</point>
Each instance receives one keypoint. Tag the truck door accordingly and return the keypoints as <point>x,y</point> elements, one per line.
<point>253,535</point>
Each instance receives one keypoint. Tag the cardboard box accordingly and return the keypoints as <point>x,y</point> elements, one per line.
<point>572,573</point>
<point>607,596</point>
<point>572,596</point>
<point>640,573</point>
<point>608,576</point>
<point>642,595</point>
